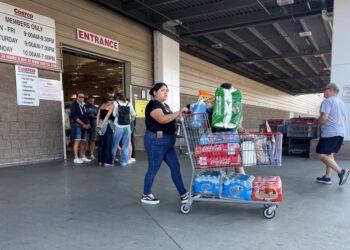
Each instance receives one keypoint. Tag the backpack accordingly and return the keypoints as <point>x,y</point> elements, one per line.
<point>123,114</point>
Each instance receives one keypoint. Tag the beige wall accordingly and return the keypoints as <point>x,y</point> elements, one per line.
<point>197,74</point>
<point>135,40</point>
<point>30,134</point>
<point>136,48</point>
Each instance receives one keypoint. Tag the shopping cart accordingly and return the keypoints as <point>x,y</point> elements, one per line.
<point>180,138</point>
<point>213,155</point>
<point>300,132</point>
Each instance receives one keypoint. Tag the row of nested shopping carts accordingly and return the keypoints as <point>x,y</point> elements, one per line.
<point>213,157</point>
<point>298,132</point>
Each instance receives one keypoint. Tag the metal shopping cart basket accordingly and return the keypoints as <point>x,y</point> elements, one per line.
<point>180,138</point>
<point>214,155</point>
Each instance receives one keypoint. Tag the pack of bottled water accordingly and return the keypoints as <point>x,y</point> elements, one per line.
<point>207,182</point>
<point>237,186</point>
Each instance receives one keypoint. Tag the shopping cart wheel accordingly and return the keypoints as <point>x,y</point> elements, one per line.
<point>185,209</point>
<point>269,213</point>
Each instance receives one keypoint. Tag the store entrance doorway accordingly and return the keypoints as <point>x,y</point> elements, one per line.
<point>91,75</point>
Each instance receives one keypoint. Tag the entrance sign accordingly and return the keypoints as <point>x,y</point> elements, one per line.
<point>50,89</point>
<point>98,40</point>
<point>27,86</point>
<point>27,37</point>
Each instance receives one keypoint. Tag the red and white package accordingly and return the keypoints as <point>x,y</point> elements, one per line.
<point>219,161</point>
<point>213,150</point>
<point>267,188</point>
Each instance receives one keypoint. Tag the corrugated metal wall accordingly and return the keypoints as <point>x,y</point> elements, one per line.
<point>197,74</point>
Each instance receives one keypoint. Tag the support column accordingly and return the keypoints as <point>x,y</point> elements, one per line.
<point>167,67</point>
<point>340,70</point>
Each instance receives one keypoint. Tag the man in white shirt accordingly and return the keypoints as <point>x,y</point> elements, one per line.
<point>332,122</point>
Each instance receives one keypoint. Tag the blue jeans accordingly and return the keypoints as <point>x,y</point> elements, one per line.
<point>159,150</point>
<point>78,134</point>
<point>122,134</point>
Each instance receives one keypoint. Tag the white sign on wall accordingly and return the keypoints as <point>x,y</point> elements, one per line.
<point>27,37</point>
<point>50,89</point>
<point>27,86</point>
<point>346,94</point>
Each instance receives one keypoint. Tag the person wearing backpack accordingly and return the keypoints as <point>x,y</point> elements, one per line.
<point>124,114</point>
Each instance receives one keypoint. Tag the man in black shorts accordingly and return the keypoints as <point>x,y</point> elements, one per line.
<point>332,122</point>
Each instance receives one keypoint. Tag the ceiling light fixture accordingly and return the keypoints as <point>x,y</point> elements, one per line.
<point>217,46</point>
<point>173,23</point>
<point>284,2</point>
<point>305,34</point>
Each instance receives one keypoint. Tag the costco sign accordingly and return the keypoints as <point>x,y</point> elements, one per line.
<point>98,40</point>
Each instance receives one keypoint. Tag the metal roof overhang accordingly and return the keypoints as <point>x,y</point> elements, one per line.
<point>287,47</point>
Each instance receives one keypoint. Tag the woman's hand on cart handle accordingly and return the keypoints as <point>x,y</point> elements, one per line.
<point>184,110</point>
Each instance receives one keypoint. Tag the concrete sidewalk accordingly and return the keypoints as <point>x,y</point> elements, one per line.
<point>58,205</point>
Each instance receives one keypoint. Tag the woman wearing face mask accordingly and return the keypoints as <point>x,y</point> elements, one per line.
<point>159,143</point>
<point>105,127</point>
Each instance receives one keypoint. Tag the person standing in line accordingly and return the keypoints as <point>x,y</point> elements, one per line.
<point>124,113</point>
<point>79,128</point>
<point>159,143</point>
<point>106,128</point>
<point>332,122</point>
<point>131,144</point>
<point>132,158</point>
<point>91,135</point>
<point>67,127</point>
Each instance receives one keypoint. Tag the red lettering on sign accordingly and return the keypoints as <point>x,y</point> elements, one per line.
<point>23,13</point>
<point>97,39</point>
<point>25,69</point>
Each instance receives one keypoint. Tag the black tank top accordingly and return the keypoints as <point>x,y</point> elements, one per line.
<point>103,114</point>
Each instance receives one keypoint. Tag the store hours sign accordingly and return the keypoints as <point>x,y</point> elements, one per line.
<point>26,37</point>
<point>27,86</point>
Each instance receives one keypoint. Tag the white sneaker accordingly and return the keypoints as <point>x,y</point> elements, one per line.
<point>78,161</point>
<point>84,159</point>
<point>92,157</point>
<point>132,160</point>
